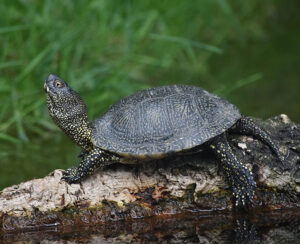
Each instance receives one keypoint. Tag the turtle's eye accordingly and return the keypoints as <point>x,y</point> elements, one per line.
<point>58,84</point>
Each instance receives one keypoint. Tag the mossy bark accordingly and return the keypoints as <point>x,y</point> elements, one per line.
<point>174,185</point>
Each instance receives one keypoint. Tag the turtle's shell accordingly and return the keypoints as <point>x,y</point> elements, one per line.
<point>161,120</point>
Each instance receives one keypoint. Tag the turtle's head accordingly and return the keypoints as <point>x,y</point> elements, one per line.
<point>63,102</point>
<point>59,92</point>
<point>67,109</point>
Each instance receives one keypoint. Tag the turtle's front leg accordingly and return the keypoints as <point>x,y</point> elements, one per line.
<point>239,176</point>
<point>92,160</point>
<point>83,154</point>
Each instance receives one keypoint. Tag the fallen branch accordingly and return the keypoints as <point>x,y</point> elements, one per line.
<point>173,185</point>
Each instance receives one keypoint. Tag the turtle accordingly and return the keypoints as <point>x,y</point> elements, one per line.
<point>156,123</point>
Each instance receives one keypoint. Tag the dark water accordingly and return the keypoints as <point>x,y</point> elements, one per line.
<point>261,227</point>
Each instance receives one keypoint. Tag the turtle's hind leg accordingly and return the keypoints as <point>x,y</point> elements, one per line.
<point>247,126</point>
<point>90,161</point>
<point>239,176</point>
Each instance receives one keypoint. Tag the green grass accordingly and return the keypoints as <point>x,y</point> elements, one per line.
<point>109,49</point>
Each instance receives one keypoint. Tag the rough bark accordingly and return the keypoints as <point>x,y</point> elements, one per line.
<point>174,185</point>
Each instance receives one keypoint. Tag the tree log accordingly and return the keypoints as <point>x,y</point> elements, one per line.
<point>177,184</point>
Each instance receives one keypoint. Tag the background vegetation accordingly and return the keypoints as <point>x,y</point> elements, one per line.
<point>247,52</point>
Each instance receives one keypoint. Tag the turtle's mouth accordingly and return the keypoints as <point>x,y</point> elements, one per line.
<point>50,98</point>
<point>50,95</point>
<point>49,91</point>
<point>46,88</point>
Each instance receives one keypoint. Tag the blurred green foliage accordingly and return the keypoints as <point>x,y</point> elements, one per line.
<point>109,49</point>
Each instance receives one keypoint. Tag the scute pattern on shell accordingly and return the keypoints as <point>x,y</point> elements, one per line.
<point>161,120</point>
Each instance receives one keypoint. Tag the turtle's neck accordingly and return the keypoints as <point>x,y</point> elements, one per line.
<point>73,121</point>
<point>79,130</point>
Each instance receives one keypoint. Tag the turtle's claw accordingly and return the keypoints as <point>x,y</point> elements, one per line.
<point>70,175</point>
<point>243,196</point>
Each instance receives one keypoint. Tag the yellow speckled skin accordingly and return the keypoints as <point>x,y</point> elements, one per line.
<point>239,176</point>
<point>155,123</point>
